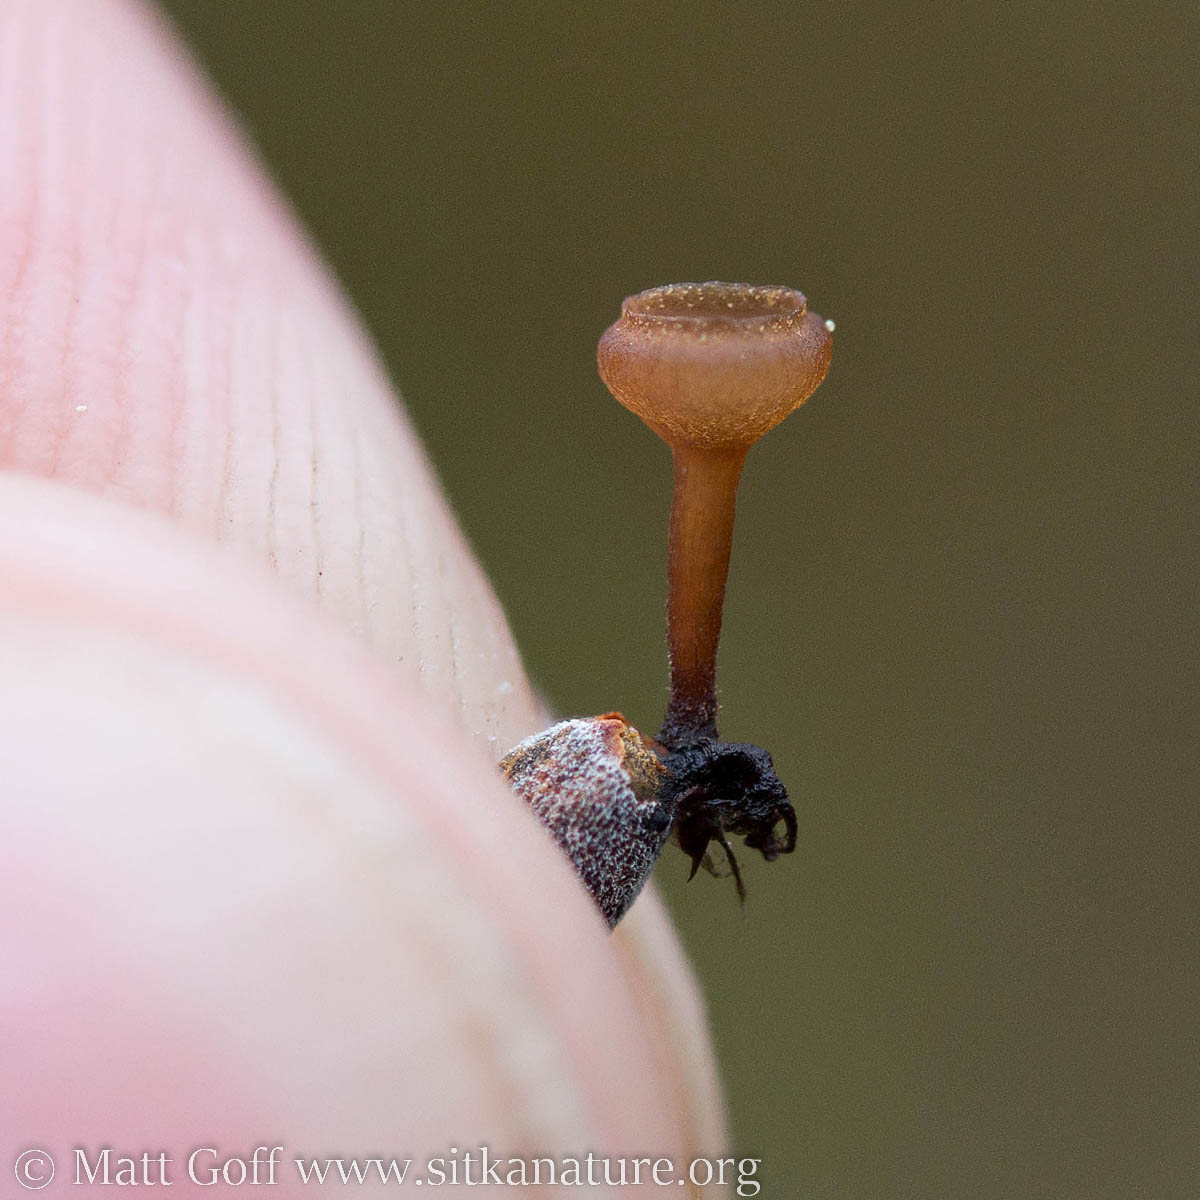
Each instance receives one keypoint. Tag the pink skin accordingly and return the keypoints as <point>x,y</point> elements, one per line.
<point>259,879</point>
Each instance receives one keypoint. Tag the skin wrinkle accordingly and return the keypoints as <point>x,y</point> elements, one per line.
<point>452,626</point>
<point>20,218</point>
<point>269,530</point>
<point>416,614</point>
<point>68,378</point>
<point>47,453</point>
<point>248,424</point>
<point>360,542</point>
<point>335,490</point>
<point>82,240</point>
<point>150,363</point>
<point>292,478</point>
<point>24,101</point>
<point>199,375</point>
<point>220,352</point>
<point>177,427</point>
<point>180,419</point>
<point>110,286</point>
<point>69,372</point>
<point>412,590</point>
<point>314,498</point>
<point>382,526</point>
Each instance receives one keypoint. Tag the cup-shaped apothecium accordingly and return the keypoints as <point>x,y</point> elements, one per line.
<point>710,367</point>
<point>714,364</point>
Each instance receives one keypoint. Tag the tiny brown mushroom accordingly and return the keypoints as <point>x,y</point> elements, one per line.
<point>710,367</point>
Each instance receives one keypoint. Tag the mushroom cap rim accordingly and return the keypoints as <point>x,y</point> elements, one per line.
<point>714,364</point>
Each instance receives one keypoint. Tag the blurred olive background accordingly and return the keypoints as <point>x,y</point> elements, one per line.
<point>962,604</point>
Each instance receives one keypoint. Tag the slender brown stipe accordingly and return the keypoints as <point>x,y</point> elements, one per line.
<point>710,367</point>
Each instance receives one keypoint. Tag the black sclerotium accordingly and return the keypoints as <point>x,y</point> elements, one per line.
<point>715,789</point>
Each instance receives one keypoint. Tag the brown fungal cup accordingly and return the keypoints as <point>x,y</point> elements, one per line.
<point>710,367</point>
